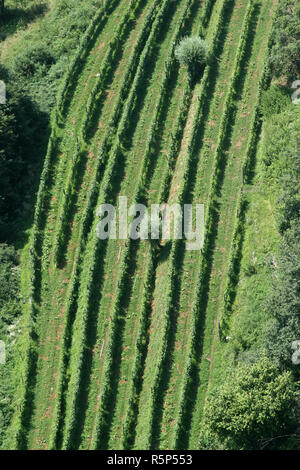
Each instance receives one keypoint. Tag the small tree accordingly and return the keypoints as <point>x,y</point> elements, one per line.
<point>255,404</point>
<point>284,56</point>
<point>192,52</point>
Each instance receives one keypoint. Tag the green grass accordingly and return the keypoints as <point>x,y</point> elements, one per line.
<point>115,251</point>
<point>257,263</point>
<point>56,281</point>
<point>118,330</point>
<point>227,209</point>
<point>191,264</point>
<point>53,281</point>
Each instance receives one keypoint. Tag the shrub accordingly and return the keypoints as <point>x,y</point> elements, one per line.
<point>11,163</point>
<point>278,131</point>
<point>33,59</point>
<point>192,52</point>
<point>18,124</point>
<point>284,302</point>
<point>254,405</point>
<point>285,52</point>
<point>9,276</point>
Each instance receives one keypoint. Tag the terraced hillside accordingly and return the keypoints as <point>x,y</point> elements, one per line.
<point>118,337</point>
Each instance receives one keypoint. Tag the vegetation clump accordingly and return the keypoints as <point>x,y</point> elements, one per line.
<point>275,100</point>
<point>32,59</point>
<point>10,311</point>
<point>252,408</point>
<point>285,51</point>
<point>192,52</point>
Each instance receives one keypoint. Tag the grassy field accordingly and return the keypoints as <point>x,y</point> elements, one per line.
<point>227,198</point>
<point>120,341</point>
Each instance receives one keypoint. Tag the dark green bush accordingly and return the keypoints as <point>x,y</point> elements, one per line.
<point>278,132</point>
<point>192,52</point>
<point>285,52</point>
<point>19,121</point>
<point>9,275</point>
<point>254,405</point>
<point>284,302</point>
<point>32,81</point>
<point>33,59</point>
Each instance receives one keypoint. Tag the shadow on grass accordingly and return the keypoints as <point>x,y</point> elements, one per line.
<point>32,135</point>
<point>14,19</point>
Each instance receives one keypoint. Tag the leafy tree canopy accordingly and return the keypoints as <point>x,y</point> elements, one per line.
<point>285,51</point>
<point>254,404</point>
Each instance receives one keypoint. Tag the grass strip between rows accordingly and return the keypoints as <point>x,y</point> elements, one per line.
<point>238,237</point>
<point>85,294</point>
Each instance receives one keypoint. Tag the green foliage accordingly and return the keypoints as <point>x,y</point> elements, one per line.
<point>289,200</point>
<point>9,285</point>
<point>238,237</point>
<point>255,404</point>
<point>32,78</point>
<point>192,52</point>
<point>34,59</point>
<point>284,302</point>
<point>10,310</point>
<point>15,15</point>
<point>280,310</point>
<point>285,52</point>
<point>18,125</point>
<point>275,100</point>
<point>268,318</point>
<point>279,130</point>
<point>11,162</point>
<point>210,219</point>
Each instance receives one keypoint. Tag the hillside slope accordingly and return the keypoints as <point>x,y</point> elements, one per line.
<point>118,340</point>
